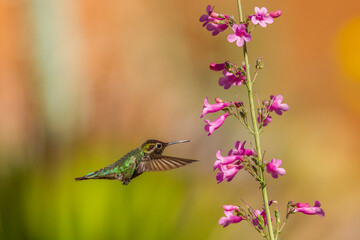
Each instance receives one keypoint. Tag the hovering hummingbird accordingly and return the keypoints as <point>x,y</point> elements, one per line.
<point>147,158</point>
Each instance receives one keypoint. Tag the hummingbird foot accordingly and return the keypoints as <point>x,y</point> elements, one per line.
<point>126,182</point>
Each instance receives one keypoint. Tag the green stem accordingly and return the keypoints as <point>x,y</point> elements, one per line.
<point>279,231</point>
<point>256,134</point>
<point>239,118</point>
<point>285,221</point>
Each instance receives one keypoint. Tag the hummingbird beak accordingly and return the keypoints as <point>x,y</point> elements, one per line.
<point>182,141</point>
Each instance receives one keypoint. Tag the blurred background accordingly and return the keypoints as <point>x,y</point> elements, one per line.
<point>83,82</point>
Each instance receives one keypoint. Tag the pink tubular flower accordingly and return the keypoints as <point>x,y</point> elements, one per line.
<point>260,214</point>
<point>240,150</point>
<point>224,160</point>
<point>230,79</point>
<point>216,28</point>
<point>214,21</point>
<point>228,172</point>
<point>277,106</point>
<point>273,168</point>
<point>255,220</point>
<point>229,216</point>
<point>211,108</point>
<point>212,126</point>
<point>265,121</point>
<point>261,17</point>
<point>306,209</point>
<point>240,35</point>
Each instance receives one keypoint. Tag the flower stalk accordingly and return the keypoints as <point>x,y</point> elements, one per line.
<point>241,159</point>
<point>256,133</point>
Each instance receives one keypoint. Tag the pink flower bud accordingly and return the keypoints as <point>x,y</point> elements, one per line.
<point>217,21</point>
<point>217,67</point>
<point>218,15</point>
<point>275,14</point>
<point>238,104</point>
<point>218,100</point>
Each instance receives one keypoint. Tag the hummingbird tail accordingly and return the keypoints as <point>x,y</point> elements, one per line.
<point>81,178</point>
<point>92,175</point>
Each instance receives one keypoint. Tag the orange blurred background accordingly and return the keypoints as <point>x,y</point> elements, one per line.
<point>83,82</point>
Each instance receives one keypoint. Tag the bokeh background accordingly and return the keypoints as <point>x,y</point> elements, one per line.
<point>83,82</point>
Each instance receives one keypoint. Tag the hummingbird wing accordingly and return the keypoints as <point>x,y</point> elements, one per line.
<point>161,163</point>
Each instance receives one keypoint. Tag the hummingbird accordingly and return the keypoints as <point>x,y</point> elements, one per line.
<point>146,158</point>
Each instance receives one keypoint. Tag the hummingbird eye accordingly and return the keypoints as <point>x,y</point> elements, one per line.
<point>158,145</point>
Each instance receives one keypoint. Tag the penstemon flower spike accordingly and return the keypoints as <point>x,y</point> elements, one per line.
<point>250,160</point>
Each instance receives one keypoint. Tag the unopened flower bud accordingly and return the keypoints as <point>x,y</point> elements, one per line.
<point>291,204</point>
<point>255,160</point>
<point>220,22</point>
<point>277,216</point>
<point>243,114</point>
<point>231,67</point>
<point>238,104</point>
<point>218,100</point>
<point>243,68</point>
<point>275,14</point>
<point>259,64</point>
<point>254,169</point>
<point>219,15</point>
<point>243,110</point>
<point>261,221</point>
<point>217,67</point>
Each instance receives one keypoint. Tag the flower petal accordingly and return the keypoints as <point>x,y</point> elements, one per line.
<point>240,42</point>
<point>224,221</point>
<point>232,37</point>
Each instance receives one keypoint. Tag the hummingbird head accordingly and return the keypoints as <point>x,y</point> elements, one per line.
<point>153,146</point>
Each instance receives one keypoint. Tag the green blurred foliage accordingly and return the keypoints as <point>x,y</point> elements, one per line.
<point>47,203</point>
